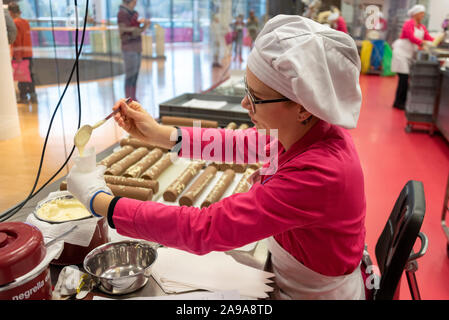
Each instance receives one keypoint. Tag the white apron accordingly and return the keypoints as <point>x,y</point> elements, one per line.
<point>294,281</point>
<point>403,50</point>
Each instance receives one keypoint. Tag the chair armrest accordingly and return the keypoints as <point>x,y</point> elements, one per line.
<point>422,250</point>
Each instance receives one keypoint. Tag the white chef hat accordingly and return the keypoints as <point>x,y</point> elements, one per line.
<point>310,64</point>
<point>333,16</point>
<point>418,8</point>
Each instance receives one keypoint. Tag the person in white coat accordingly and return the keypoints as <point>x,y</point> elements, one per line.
<point>11,28</point>
<point>218,32</point>
<point>414,36</point>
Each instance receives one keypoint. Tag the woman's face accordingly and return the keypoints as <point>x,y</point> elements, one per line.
<point>132,4</point>
<point>419,16</point>
<point>270,115</point>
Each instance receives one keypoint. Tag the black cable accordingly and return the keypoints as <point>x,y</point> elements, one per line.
<point>54,43</point>
<point>77,64</point>
<point>9,213</point>
<point>15,209</point>
<point>57,71</point>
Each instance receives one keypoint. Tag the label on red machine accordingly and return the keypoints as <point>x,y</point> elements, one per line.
<point>38,288</point>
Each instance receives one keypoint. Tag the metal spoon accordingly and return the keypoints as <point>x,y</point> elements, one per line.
<point>60,236</point>
<point>82,136</point>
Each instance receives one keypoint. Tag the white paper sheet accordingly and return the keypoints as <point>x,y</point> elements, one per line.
<point>178,271</point>
<point>203,295</point>
<point>205,104</point>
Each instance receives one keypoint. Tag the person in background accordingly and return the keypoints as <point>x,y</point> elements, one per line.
<point>252,25</point>
<point>23,50</point>
<point>445,24</point>
<point>312,9</point>
<point>218,32</point>
<point>337,22</point>
<point>302,85</point>
<point>414,36</point>
<point>131,29</point>
<point>237,28</point>
<point>10,25</point>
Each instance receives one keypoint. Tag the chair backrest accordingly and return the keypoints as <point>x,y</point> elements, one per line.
<point>396,242</point>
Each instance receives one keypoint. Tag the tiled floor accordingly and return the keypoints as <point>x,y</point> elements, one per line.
<point>390,156</point>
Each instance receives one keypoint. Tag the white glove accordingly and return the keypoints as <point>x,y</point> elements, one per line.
<point>85,180</point>
<point>428,44</point>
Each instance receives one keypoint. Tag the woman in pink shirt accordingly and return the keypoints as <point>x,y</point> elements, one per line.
<point>337,22</point>
<point>414,36</point>
<point>309,198</point>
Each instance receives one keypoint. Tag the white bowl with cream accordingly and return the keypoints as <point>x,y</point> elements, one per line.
<point>63,209</point>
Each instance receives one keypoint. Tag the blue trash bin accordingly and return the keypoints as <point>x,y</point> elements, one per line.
<point>377,54</point>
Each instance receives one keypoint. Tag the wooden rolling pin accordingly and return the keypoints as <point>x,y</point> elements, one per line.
<point>116,156</point>
<point>143,164</point>
<point>188,122</point>
<point>120,167</point>
<point>220,188</point>
<point>177,186</point>
<point>190,196</point>
<point>156,169</point>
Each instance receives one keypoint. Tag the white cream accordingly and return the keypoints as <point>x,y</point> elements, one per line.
<point>60,210</point>
<point>82,138</point>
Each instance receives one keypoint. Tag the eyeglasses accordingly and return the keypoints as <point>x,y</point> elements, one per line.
<point>253,101</point>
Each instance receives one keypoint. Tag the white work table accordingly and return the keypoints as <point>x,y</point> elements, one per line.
<point>253,255</point>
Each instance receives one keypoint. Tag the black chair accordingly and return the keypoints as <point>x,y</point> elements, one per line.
<point>443,217</point>
<point>394,248</point>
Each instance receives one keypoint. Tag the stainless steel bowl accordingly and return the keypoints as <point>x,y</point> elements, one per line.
<point>121,267</point>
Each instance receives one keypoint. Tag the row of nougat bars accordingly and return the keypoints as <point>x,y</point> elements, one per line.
<point>189,197</point>
<point>127,170</point>
<point>133,170</point>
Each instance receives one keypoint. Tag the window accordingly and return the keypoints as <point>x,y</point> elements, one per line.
<point>28,8</point>
<point>160,12</point>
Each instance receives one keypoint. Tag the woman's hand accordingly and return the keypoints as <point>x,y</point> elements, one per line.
<point>135,120</point>
<point>141,125</point>
<point>428,44</point>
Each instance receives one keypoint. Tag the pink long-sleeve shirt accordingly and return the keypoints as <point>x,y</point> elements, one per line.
<point>408,32</point>
<point>341,25</point>
<point>313,205</point>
